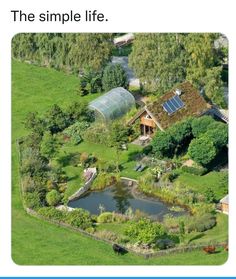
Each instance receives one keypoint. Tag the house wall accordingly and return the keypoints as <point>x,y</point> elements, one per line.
<point>147,122</point>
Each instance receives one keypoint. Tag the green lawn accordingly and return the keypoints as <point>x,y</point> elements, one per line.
<point>201,183</point>
<point>35,242</point>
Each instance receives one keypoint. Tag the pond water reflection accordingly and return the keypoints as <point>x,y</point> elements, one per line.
<point>119,198</point>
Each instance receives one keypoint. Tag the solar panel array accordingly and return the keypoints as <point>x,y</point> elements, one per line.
<point>173,104</point>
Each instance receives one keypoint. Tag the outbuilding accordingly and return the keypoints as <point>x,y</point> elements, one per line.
<point>224,204</point>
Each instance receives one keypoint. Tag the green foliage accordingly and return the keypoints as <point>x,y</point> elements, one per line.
<point>104,180</point>
<point>97,133</point>
<point>145,231</point>
<point>181,132</point>
<point>52,213</point>
<point>49,145</point>
<point>114,76</point>
<point>56,120</point>
<point>214,90</point>
<point>218,132</point>
<point>197,170</point>
<point>202,150</point>
<point>201,223</point>
<point>35,123</point>
<point>105,217</point>
<point>158,60</point>
<point>32,200</point>
<point>66,51</point>
<point>53,197</point>
<point>90,82</point>
<point>79,218</point>
<point>200,125</point>
<point>76,131</point>
<point>163,145</point>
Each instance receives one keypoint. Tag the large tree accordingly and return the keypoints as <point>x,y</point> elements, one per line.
<point>49,145</point>
<point>159,60</point>
<point>114,76</point>
<point>202,150</point>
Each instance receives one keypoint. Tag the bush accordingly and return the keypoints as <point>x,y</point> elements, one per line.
<point>165,243</point>
<point>52,213</point>
<point>32,200</point>
<point>147,149</point>
<point>53,197</point>
<point>202,223</point>
<point>79,218</point>
<point>200,125</point>
<point>202,150</point>
<point>218,133</point>
<point>195,170</point>
<point>145,231</point>
<point>163,145</point>
<point>104,180</point>
<point>106,217</point>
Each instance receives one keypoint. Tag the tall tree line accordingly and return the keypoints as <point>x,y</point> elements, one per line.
<point>162,60</point>
<point>67,51</point>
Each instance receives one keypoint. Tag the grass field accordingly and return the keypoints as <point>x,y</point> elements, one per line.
<point>35,242</point>
<point>201,183</point>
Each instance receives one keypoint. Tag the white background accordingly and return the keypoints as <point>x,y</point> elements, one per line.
<point>124,16</point>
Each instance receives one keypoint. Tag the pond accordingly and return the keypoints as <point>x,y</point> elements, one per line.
<point>119,198</point>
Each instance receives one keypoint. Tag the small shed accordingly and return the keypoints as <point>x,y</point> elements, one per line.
<point>114,104</point>
<point>224,204</point>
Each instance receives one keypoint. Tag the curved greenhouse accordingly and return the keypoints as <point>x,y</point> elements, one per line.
<point>113,104</point>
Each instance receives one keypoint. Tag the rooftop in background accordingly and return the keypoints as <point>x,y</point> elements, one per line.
<point>112,104</point>
<point>124,39</point>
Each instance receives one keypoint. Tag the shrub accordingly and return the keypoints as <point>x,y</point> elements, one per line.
<point>53,197</point>
<point>145,231</point>
<point>105,217</point>
<point>32,200</point>
<point>201,223</point>
<point>195,170</point>
<point>163,145</point>
<point>218,133</point>
<point>79,218</point>
<point>165,243</point>
<point>104,180</point>
<point>202,150</point>
<point>52,213</point>
<point>200,125</point>
<point>147,149</point>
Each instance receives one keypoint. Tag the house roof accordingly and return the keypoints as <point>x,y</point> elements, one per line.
<point>225,200</point>
<point>194,105</point>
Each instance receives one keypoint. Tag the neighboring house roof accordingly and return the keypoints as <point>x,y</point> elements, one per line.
<point>123,39</point>
<point>113,104</point>
<point>194,105</point>
<point>225,200</point>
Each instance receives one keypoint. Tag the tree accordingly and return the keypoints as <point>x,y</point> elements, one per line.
<point>34,123</point>
<point>114,76</point>
<point>163,145</point>
<point>218,133</point>
<point>49,145</point>
<point>159,60</point>
<point>118,136</point>
<point>90,82</point>
<point>56,120</point>
<point>201,56</point>
<point>200,125</point>
<point>202,150</point>
<point>53,197</point>
<point>214,90</point>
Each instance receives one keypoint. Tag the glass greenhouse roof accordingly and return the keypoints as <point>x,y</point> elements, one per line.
<point>113,104</point>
